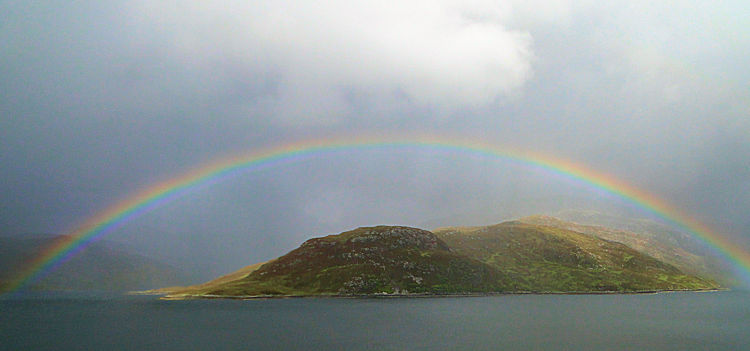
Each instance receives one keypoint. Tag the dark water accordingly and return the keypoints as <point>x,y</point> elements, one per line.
<point>676,321</point>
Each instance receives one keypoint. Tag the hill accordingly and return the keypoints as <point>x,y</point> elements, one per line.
<point>367,260</point>
<point>651,237</point>
<point>101,267</point>
<point>545,258</point>
<point>503,258</point>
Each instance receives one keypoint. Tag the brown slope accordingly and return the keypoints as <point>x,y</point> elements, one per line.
<point>236,275</point>
<point>368,260</point>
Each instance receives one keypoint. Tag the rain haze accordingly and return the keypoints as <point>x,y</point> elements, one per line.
<point>99,100</point>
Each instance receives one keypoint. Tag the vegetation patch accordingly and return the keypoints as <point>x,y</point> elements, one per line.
<point>507,257</point>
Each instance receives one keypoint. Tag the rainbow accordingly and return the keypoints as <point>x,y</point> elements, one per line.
<point>158,194</point>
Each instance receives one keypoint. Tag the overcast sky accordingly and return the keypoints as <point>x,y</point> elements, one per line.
<point>99,99</point>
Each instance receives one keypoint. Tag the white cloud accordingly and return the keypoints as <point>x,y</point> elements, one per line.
<point>444,54</point>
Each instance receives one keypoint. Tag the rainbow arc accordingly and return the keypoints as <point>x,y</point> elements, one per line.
<point>152,197</point>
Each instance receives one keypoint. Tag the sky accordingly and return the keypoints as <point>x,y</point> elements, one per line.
<point>102,99</point>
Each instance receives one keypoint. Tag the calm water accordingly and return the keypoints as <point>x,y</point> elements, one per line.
<point>677,321</point>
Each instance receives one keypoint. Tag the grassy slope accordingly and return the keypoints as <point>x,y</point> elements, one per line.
<point>546,258</point>
<point>209,285</point>
<point>655,239</point>
<point>667,252</point>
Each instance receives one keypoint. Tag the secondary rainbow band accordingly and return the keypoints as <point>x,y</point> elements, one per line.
<point>152,197</point>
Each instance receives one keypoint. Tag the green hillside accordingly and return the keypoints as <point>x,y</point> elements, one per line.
<point>504,258</point>
<point>550,259</point>
<point>656,239</point>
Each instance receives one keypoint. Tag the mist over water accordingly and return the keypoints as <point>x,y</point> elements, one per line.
<point>669,321</point>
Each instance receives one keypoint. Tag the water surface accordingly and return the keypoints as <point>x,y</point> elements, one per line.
<point>672,321</point>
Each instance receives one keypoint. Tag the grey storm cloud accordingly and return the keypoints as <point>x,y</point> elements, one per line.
<point>101,99</point>
<point>439,53</point>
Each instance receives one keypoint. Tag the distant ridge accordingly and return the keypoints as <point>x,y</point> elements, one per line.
<point>103,266</point>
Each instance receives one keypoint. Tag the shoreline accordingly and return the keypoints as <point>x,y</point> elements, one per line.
<point>176,297</point>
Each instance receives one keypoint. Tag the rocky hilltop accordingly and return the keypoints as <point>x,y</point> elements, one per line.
<point>368,260</point>
<point>510,257</point>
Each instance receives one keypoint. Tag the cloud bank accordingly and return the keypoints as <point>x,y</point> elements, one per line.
<point>323,54</point>
<point>101,99</point>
